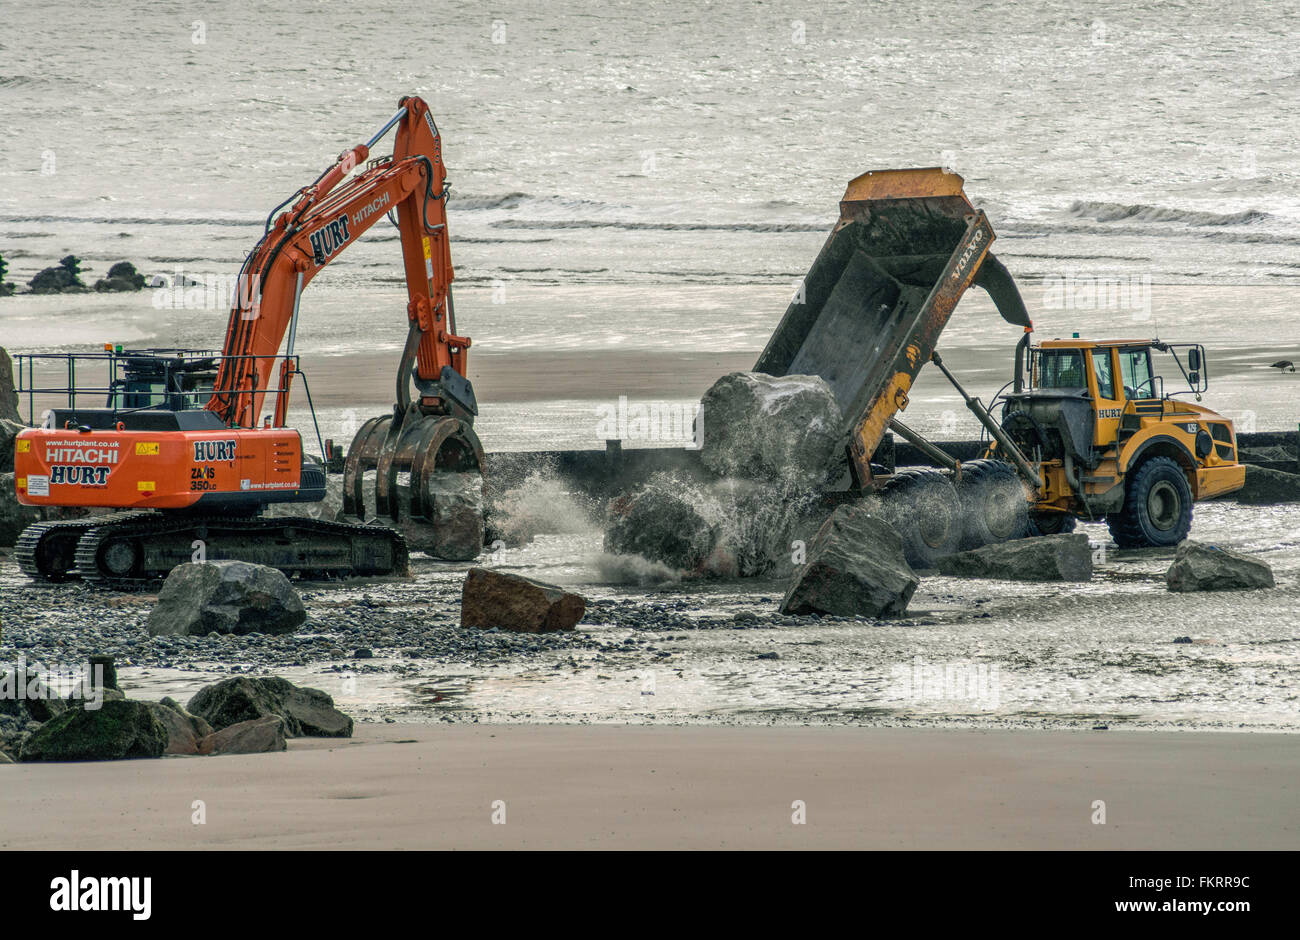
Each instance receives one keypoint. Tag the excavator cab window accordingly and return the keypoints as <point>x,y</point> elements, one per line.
<point>1061,368</point>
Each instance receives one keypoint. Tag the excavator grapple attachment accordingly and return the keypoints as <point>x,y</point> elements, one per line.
<point>427,480</point>
<point>871,308</point>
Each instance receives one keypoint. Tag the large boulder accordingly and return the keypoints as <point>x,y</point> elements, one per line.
<point>8,395</point>
<point>457,517</point>
<point>454,529</point>
<point>1275,457</point>
<point>719,528</point>
<point>65,278</point>
<point>1201,567</point>
<point>1266,487</point>
<point>14,516</point>
<point>306,712</point>
<point>771,428</point>
<point>855,568</point>
<point>257,736</point>
<point>184,731</point>
<point>121,277</point>
<point>512,602</point>
<point>1066,557</point>
<point>226,597</point>
<point>664,522</point>
<point>117,730</point>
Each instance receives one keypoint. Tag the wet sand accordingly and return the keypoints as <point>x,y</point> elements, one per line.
<point>423,786</point>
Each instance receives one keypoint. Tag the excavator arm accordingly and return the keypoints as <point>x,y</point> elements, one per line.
<point>324,219</point>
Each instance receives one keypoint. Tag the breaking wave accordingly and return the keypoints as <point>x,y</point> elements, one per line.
<point>1119,212</point>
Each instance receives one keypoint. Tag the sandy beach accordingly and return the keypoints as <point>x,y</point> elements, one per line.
<point>430,787</point>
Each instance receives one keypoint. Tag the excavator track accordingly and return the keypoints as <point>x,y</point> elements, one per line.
<point>132,552</point>
<point>46,551</point>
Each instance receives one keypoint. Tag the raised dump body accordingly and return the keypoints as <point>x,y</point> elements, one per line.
<point>907,245</point>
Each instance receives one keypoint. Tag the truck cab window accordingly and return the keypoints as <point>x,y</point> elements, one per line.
<point>1061,368</point>
<point>1105,380</point>
<point>1135,366</point>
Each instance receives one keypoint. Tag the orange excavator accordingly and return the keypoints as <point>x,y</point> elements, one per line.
<point>200,464</point>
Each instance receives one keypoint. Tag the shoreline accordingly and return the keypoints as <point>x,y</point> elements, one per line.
<point>403,786</point>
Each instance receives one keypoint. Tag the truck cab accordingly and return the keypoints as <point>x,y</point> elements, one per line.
<point>1093,413</point>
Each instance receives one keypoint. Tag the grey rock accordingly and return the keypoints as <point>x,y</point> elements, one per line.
<point>663,523</point>
<point>256,736</point>
<point>1066,557</point>
<point>226,597</point>
<point>8,395</point>
<point>512,602</point>
<point>306,712</point>
<point>184,731</point>
<point>1266,487</point>
<point>771,428</point>
<point>116,731</point>
<point>9,430</point>
<point>457,517</point>
<point>855,568</point>
<point>14,517</point>
<point>1201,567</point>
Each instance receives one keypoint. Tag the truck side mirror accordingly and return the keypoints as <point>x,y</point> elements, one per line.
<point>1194,378</point>
<point>1194,360</point>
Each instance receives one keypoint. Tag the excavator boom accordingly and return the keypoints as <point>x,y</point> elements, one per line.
<point>323,221</point>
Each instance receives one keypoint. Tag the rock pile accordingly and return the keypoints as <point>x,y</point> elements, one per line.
<point>121,277</point>
<point>306,713</point>
<point>238,716</point>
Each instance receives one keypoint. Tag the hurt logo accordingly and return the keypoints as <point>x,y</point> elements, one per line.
<point>72,475</point>
<point>212,451</point>
<point>329,238</point>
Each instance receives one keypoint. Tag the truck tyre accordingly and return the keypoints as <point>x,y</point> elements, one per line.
<point>1051,523</point>
<point>1157,507</point>
<point>993,503</point>
<point>923,507</point>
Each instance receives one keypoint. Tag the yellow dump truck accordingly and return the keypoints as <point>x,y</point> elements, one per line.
<point>1088,429</point>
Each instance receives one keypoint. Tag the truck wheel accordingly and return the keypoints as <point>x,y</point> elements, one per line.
<point>1157,507</point>
<point>923,507</point>
<point>1051,523</point>
<point>993,503</point>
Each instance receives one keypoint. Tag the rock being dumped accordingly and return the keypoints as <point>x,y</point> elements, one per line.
<point>769,443</point>
<point>770,428</point>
